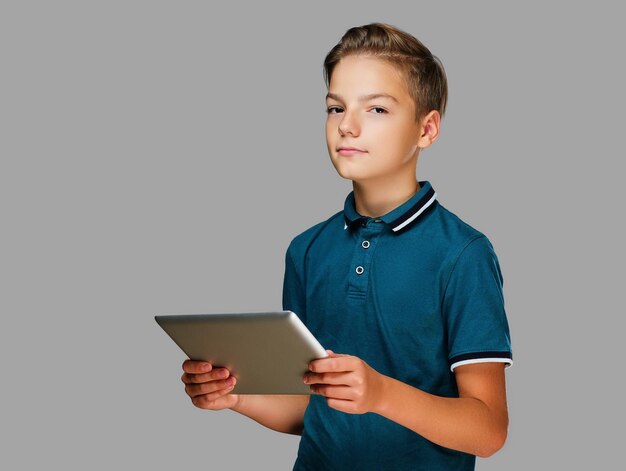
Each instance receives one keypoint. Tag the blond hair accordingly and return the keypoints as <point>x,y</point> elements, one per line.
<point>423,72</point>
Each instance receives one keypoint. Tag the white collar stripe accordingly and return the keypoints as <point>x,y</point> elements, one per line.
<point>420,211</point>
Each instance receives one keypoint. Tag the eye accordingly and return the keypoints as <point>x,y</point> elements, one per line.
<point>379,108</point>
<point>330,109</point>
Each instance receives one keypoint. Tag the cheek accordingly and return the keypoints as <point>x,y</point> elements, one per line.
<point>405,145</point>
<point>330,133</point>
<point>331,124</point>
<point>406,149</point>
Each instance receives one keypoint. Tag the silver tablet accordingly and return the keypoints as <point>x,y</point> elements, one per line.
<point>268,352</point>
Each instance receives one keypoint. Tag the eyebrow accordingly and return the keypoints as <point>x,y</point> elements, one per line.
<point>371,96</point>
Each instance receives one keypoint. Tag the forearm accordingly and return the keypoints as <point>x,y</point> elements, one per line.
<point>465,424</point>
<point>283,413</point>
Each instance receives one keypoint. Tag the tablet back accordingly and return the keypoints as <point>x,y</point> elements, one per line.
<point>268,352</point>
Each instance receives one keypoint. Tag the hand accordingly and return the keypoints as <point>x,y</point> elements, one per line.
<point>209,388</point>
<point>348,383</point>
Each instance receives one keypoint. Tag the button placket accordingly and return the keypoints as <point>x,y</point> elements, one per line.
<point>366,240</point>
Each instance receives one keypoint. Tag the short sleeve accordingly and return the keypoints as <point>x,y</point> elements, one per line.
<point>293,290</point>
<point>473,308</point>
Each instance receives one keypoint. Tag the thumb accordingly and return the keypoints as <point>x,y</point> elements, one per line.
<point>333,354</point>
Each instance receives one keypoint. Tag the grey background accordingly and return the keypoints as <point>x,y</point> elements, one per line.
<point>159,157</point>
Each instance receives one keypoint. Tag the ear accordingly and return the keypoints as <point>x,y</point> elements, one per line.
<point>429,130</point>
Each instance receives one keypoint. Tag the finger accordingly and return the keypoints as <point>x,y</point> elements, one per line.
<point>333,354</point>
<point>218,373</point>
<point>216,400</point>
<point>210,397</point>
<point>336,363</point>
<point>329,378</point>
<point>195,367</point>
<point>333,391</point>
<point>194,390</point>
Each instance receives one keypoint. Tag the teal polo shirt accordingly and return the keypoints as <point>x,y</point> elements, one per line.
<point>414,293</point>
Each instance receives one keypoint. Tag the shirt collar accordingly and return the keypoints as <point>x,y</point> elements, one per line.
<point>400,217</point>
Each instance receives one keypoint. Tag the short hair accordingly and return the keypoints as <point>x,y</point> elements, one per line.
<point>423,72</point>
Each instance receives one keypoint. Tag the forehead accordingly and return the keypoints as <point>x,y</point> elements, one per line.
<point>356,77</point>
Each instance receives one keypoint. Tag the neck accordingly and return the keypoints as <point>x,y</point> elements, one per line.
<point>375,199</point>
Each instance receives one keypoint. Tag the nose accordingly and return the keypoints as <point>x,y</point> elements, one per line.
<point>349,124</point>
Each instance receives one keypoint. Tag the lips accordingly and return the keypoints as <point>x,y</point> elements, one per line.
<point>350,149</point>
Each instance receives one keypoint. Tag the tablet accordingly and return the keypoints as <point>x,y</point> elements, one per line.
<point>268,352</point>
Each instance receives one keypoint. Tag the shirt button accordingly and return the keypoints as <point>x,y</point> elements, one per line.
<point>365,244</point>
<point>359,270</point>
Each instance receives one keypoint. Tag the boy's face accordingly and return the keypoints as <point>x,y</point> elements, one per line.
<point>383,128</point>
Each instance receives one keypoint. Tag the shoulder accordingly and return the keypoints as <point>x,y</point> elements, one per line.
<point>456,227</point>
<point>457,238</point>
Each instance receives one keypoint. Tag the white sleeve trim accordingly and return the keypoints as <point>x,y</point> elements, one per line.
<point>508,362</point>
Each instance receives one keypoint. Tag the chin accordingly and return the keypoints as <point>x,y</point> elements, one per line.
<point>354,176</point>
<point>343,172</point>
<point>347,171</point>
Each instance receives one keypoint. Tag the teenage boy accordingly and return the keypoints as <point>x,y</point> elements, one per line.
<point>407,293</point>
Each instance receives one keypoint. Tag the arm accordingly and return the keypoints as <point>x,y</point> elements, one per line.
<point>283,413</point>
<point>476,422</point>
<point>210,389</point>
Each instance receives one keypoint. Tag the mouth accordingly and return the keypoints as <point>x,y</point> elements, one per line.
<point>350,151</point>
